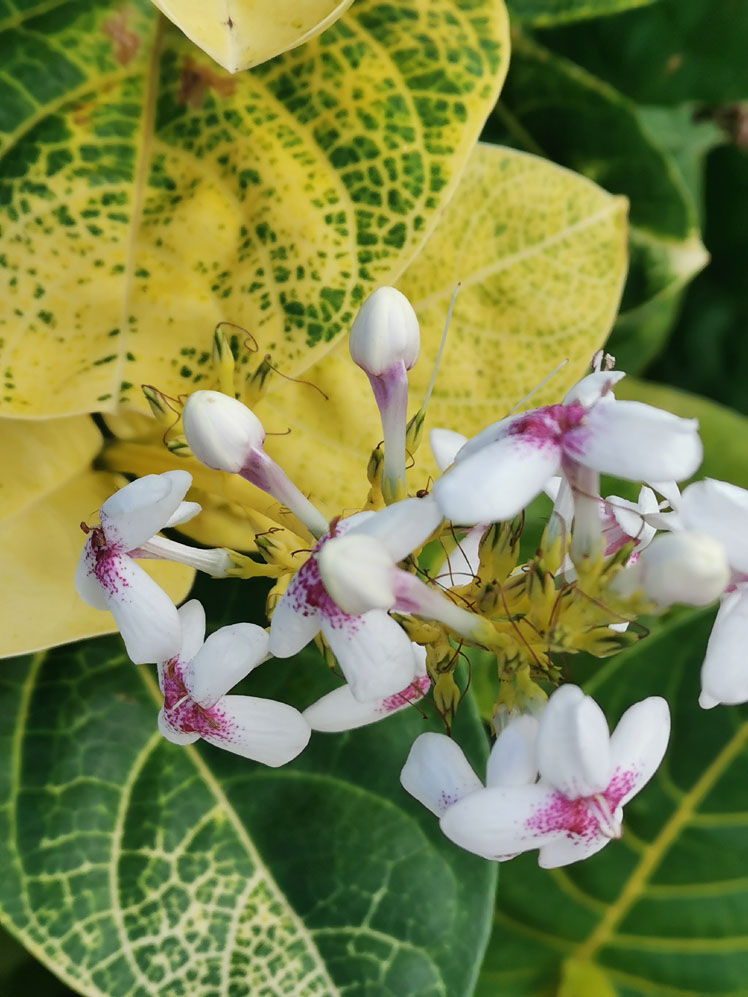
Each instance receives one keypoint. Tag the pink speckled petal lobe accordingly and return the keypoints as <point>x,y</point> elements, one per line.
<point>499,822</point>
<point>437,774</point>
<point>172,733</point>
<point>574,744</point>
<point>373,651</point>
<point>724,674</point>
<point>339,710</point>
<point>227,656</point>
<point>637,746</point>
<point>145,616</point>
<point>570,848</point>
<point>87,585</point>
<point>134,513</point>
<point>261,729</point>
<point>295,619</point>
<point>636,441</point>
<point>497,482</point>
<point>513,760</point>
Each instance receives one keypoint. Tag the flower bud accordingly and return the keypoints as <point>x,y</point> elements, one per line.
<point>685,567</point>
<point>358,573</point>
<point>385,332</point>
<point>221,432</point>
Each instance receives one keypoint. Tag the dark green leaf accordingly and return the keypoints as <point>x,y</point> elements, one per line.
<point>545,12</point>
<point>664,910</point>
<point>136,867</point>
<point>666,53</point>
<point>552,107</point>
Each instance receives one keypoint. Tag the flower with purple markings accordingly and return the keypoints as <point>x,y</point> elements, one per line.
<point>576,806</point>
<point>374,652</point>
<point>108,578</point>
<point>499,471</point>
<point>195,682</point>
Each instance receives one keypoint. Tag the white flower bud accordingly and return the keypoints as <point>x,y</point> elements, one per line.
<point>221,432</point>
<point>385,332</point>
<point>685,567</point>
<point>358,573</point>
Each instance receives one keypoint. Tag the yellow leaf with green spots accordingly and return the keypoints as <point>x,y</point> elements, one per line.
<point>146,195</point>
<point>243,34</point>
<point>47,489</point>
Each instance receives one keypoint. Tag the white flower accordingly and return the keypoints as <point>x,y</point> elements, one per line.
<point>384,343</point>
<point>505,466</point>
<point>107,576</point>
<point>361,574</point>
<point>224,434</point>
<point>339,710</point>
<point>373,651</point>
<point>194,682</point>
<point>720,510</point>
<point>690,568</point>
<point>586,777</point>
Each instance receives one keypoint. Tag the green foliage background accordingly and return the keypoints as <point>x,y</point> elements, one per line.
<point>645,100</point>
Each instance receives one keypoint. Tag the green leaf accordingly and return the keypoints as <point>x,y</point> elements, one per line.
<point>146,195</point>
<point>134,866</point>
<point>723,431</point>
<point>542,13</point>
<point>708,350</point>
<point>667,53</point>
<point>552,107</point>
<point>253,32</point>
<point>664,910</point>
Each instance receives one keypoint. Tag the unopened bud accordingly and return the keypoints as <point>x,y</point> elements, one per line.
<point>685,567</point>
<point>358,573</point>
<point>220,431</point>
<point>385,332</point>
<point>446,697</point>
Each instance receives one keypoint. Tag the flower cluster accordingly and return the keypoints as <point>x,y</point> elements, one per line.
<point>396,593</point>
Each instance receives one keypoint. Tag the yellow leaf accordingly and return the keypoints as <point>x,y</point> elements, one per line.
<point>242,34</point>
<point>47,488</point>
<point>542,263</point>
<point>149,195</point>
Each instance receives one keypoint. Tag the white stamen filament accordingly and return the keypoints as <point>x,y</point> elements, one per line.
<point>599,809</point>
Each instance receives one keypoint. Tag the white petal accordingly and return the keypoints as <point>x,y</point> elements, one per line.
<point>142,508</point>
<point>594,387</point>
<point>724,674</point>
<point>185,512</point>
<point>87,585</point>
<point>145,616</point>
<point>261,729</point>
<point>637,746</point>
<point>635,441</point>
<point>339,710</point>
<point>295,621</point>
<point>174,734</point>
<point>445,444</point>
<point>574,744</point>
<point>498,822</point>
<point>630,515</point>
<point>403,526</point>
<point>570,848</point>
<point>669,491</point>
<point>513,759</point>
<point>226,657</point>
<point>192,621</point>
<point>461,565</point>
<point>721,510</point>
<point>437,773</point>
<point>498,481</point>
<point>373,651</point>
